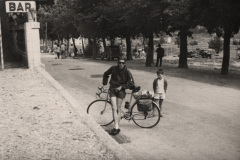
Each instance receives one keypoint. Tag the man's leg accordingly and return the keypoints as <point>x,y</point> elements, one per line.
<point>114,110</point>
<point>160,61</point>
<point>157,61</point>
<point>119,109</point>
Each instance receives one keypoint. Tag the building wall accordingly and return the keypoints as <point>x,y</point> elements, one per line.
<point>7,41</point>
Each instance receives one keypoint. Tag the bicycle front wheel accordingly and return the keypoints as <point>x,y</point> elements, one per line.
<point>101,111</point>
<point>146,119</point>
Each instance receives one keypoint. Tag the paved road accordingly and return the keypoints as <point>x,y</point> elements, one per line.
<point>201,121</point>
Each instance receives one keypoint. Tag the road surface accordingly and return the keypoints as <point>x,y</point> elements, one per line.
<point>201,120</point>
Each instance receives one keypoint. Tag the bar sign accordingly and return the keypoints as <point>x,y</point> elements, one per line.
<point>19,6</point>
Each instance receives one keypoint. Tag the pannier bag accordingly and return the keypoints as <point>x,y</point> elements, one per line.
<point>144,105</point>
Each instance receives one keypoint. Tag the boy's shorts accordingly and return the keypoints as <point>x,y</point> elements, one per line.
<point>159,95</point>
<point>117,93</point>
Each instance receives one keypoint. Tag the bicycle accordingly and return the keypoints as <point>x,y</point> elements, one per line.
<point>101,110</point>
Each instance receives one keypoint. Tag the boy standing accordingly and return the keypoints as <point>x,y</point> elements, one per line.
<point>159,87</point>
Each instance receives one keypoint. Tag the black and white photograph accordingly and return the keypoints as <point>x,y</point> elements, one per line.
<point>120,80</point>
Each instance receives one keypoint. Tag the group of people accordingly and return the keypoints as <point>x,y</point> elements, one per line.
<point>122,79</point>
<point>61,51</point>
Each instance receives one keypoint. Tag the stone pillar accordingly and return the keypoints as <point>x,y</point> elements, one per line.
<point>32,42</point>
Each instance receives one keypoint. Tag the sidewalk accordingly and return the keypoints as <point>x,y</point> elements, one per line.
<point>40,120</point>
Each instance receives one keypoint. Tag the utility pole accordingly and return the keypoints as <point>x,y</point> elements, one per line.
<point>1,47</point>
<point>46,37</point>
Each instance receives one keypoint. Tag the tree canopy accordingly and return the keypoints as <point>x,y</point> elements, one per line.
<point>131,18</point>
<point>220,17</point>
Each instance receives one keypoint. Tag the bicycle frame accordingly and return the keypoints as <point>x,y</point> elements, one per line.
<point>107,98</point>
<point>133,112</point>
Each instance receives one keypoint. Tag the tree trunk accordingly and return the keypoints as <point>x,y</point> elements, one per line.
<point>74,46</point>
<point>183,49</point>
<point>73,42</point>
<point>83,45</point>
<point>226,51</point>
<point>148,56</point>
<point>68,46</point>
<point>129,48</point>
<point>150,47</point>
<point>58,40</point>
<point>94,55</point>
<point>104,43</point>
<point>104,47</point>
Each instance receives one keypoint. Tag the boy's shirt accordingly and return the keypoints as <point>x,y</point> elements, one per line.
<point>160,86</point>
<point>63,48</point>
<point>164,87</point>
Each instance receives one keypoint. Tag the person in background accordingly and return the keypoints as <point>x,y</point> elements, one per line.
<point>135,52</point>
<point>160,54</point>
<point>121,79</point>
<point>55,47</point>
<point>71,50</point>
<point>59,52</point>
<point>75,52</point>
<point>63,50</point>
<point>160,88</point>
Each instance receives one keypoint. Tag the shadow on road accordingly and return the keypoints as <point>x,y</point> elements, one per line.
<point>204,74</point>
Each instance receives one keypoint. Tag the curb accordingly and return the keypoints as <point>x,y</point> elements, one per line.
<point>103,137</point>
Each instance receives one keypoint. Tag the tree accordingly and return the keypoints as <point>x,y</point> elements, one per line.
<point>216,44</point>
<point>149,17</point>
<point>221,17</point>
<point>59,20</point>
<point>179,19</point>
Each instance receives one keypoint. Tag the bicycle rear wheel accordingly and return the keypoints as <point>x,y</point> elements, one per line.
<point>101,111</point>
<point>146,119</point>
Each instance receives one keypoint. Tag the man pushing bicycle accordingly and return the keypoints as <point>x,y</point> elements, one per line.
<point>121,79</point>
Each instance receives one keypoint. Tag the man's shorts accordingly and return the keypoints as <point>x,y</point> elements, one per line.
<point>117,93</point>
<point>159,95</point>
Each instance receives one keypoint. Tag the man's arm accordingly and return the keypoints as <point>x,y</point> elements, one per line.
<point>130,81</point>
<point>106,76</point>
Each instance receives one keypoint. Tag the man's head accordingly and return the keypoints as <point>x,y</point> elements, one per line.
<point>121,61</point>
<point>159,45</point>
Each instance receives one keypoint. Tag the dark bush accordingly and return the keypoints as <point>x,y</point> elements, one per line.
<point>236,42</point>
<point>177,41</point>
<point>216,44</point>
<point>162,40</point>
<point>194,42</point>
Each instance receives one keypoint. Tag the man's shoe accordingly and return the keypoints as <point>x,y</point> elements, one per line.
<point>161,115</point>
<point>114,131</point>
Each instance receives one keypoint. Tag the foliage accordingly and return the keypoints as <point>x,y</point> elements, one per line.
<point>60,20</point>
<point>177,41</point>
<point>88,51</point>
<point>199,29</point>
<point>221,17</point>
<point>194,42</point>
<point>131,18</point>
<point>216,44</point>
<point>162,40</point>
<point>179,19</point>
